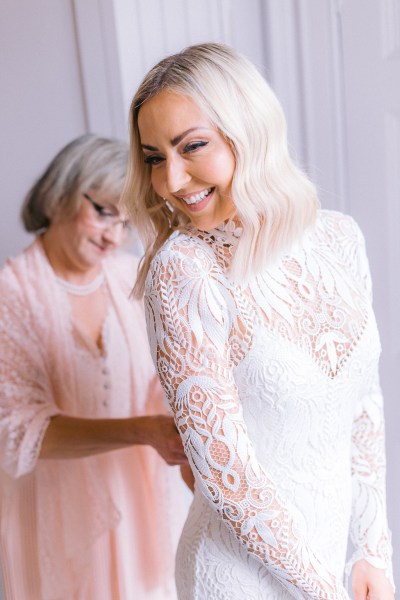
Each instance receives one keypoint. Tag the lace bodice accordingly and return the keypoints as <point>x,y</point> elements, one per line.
<point>273,386</point>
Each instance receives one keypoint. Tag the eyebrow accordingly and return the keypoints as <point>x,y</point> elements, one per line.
<point>175,141</point>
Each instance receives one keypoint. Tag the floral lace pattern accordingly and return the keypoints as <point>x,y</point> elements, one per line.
<point>267,384</point>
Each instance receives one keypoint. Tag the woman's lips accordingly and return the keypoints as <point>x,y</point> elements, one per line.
<point>200,205</point>
<point>100,247</point>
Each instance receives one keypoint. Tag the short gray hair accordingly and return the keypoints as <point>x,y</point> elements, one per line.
<point>87,162</point>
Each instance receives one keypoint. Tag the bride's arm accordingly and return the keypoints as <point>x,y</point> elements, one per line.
<point>371,562</point>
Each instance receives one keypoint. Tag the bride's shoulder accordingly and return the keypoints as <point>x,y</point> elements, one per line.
<point>182,257</point>
<point>339,229</point>
<point>183,246</point>
<point>338,223</point>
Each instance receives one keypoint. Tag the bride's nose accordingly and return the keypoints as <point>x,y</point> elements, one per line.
<point>177,174</point>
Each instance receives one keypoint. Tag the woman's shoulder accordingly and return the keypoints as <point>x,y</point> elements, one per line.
<point>16,269</point>
<point>20,281</point>
<point>184,245</point>
<point>121,270</point>
<point>9,284</point>
<point>183,256</point>
<point>347,242</point>
<point>123,263</point>
<point>339,227</point>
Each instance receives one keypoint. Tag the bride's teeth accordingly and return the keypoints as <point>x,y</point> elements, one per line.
<point>198,197</point>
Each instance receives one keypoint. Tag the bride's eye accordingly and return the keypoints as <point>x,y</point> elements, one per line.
<point>193,146</point>
<point>153,160</point>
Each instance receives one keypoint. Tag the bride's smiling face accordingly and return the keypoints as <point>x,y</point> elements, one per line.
<point>192,164</point>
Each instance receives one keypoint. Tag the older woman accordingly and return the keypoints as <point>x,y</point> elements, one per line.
<point>261,326</point>
<point>79,522</point>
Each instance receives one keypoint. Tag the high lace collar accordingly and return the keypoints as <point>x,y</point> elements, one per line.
<point>231,227</point>
<point>228,232</point>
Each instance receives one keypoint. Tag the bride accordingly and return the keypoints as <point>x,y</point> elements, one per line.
<point>260,321</point>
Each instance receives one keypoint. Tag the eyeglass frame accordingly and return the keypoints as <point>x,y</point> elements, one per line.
<point>112,219</point>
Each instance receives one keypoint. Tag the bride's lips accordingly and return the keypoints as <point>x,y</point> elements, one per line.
<point>200,205</point>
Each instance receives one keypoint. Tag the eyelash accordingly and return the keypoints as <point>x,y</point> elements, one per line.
<point>101,210</point>
<point>192,147</point>
<point>152,160</point>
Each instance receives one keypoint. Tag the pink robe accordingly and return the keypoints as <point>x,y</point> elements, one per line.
<point>64,523</point>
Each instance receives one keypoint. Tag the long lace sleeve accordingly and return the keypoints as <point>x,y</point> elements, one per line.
<point>369,529</point>
<point>190,316</point>
<point>25,397</point>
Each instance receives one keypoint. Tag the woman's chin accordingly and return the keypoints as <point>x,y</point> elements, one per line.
<point>205,222</point>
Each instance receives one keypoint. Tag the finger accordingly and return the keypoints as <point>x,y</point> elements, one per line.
<point>380,594</point>
<point>360,590</point>
<point>175,459</point>
<point>174,463</point>
<point>179,460</point>
<point>178,452</point>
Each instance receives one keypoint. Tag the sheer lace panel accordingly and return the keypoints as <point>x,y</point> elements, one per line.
<point>307,298</point>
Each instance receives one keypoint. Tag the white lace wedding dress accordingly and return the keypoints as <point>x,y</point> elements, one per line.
<point>275,392</point>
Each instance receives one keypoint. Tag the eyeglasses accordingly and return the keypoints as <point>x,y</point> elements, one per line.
<point>104,217</point>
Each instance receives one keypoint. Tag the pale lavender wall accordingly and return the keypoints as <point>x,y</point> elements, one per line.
<point>41,100</point>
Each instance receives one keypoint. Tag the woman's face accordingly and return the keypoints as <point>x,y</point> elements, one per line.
<point>192,164</point>
<point>93,233</point>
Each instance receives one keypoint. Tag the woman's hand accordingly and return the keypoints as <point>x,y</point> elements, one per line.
<point>187,476</point>
<point>370,583</point>
<point>74,437</point>
<point>162,434</point>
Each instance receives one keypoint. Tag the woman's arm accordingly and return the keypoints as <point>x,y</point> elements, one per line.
<point>369,528</point>
<point>371,562</point>
<point>31,426</point>
<point>189,326</point>
<point>73,437</point>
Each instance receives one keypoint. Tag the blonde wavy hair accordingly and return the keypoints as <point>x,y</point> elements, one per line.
<point>275,200</point>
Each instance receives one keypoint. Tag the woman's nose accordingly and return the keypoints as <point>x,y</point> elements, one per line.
<point>114,233</point>
<point>177,175</point>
